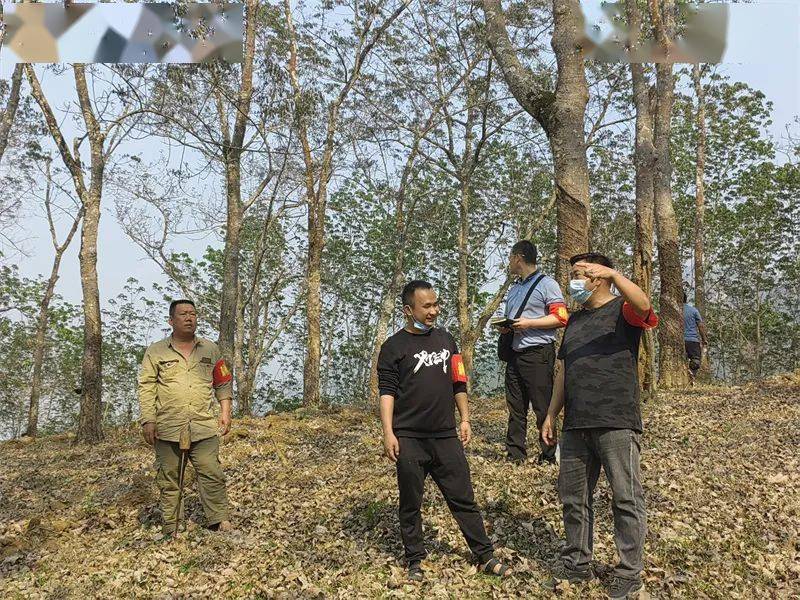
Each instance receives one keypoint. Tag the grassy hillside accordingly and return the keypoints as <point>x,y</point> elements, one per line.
<point>314,504</point>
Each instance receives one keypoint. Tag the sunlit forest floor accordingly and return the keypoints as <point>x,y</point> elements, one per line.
<point>314,505</point>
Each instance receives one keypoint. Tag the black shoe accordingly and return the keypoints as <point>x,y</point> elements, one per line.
<point>622,588</point>
<point>415,572</point>
<point>550,460</point>
<point>515,460</point>
<point>561,574</point>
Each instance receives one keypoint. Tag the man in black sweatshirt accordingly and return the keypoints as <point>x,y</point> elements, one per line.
<point>422,379</point>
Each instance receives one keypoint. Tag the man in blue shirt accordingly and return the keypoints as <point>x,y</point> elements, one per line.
<point>529,373</point>
<point>694,337</point>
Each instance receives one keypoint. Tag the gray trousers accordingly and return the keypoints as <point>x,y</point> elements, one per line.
<point>583,452</point>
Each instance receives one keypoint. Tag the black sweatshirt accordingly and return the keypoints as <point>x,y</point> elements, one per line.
<point>416,370</point>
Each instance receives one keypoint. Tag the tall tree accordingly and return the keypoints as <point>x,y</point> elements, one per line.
<point>225,115</point>
<point>103,138</point>
<point>560,112</point>
<point>44,305</point>
<point>408,107</point>
<point>403,215</point>
<point>319,169</point>
<point>232,148</point>
<point>700,191</point>
<point>463,81</point>
<point>672,363</point>
<point>644,160</point>
<point>700,201</point>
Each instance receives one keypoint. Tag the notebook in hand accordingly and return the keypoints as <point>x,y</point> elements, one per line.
<point>502,322</point>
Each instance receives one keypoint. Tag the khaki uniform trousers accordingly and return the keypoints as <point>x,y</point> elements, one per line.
<point>204,456</point>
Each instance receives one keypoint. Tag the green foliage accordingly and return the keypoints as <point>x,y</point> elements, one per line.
<point>751,236</point>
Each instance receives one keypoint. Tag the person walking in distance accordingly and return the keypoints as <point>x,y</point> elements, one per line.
<point>695,338</point>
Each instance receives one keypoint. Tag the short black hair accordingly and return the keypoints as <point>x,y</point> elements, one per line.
<point>407,297</point>
<point>527,250</point>
<point>592,257</point>
<point>174,304</point>
<point>684,296</point>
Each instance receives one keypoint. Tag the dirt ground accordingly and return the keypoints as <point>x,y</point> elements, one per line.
<point>315,510</point>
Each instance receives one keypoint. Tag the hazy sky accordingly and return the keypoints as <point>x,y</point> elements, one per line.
<point>763,51</point>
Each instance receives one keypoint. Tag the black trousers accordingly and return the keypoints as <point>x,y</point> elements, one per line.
<point>694,352</point>
<point>444,459</point>
<point>529,383</point>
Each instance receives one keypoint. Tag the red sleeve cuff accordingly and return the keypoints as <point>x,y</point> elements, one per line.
<point>634,319</point>
<point>559,311</point>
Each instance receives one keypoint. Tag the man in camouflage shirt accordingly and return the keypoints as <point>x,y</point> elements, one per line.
<point>181,379</point>
<point>597,386</point>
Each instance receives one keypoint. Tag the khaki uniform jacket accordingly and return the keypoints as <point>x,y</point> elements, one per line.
<point>174,392</point>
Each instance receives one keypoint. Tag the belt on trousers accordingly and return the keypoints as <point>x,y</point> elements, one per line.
<point>528,349</point>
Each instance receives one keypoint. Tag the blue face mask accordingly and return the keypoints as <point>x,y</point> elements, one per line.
<point>577,289</point>
<point>422,326</point>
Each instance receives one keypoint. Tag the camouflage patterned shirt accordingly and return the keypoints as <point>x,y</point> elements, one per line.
<point>600,352</point>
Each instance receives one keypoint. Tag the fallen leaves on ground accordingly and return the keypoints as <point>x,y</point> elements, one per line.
<point>315,509</point>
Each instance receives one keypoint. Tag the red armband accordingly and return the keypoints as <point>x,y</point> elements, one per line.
<point>457,370</point>
<point>221,374</point>
<point>559,311</point>
<point>634,319</point>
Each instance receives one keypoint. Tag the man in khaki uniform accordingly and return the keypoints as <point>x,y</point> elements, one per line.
<point>181,379</point>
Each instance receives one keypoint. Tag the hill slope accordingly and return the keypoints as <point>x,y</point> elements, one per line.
<point>315,509</point>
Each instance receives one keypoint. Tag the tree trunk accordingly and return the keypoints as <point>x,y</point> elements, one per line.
<point>316,240</point>
<point>317,198</point>
<point>700,208</point>
<point>7,116</point>
<point>644,160</point>
<point>700,196</point>
<point>758,356</point>
<point>232,154</point>
<point>561,115</point>
<point>384,318</point>
<point>568,138</point>
<point>467,351</point>
<point>245,386</point>
<point>245,371</point>
<point>246,381</point>
<point>44,311</point>
<point>672,362</point>
<point>242,402</point>
<point>463,308</point>
<point>90,418</point>
<point>230,256</point>
<point>39,348</point>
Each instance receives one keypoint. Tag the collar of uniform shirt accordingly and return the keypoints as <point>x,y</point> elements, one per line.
<point>528,278</point>
<point>197,341</point>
